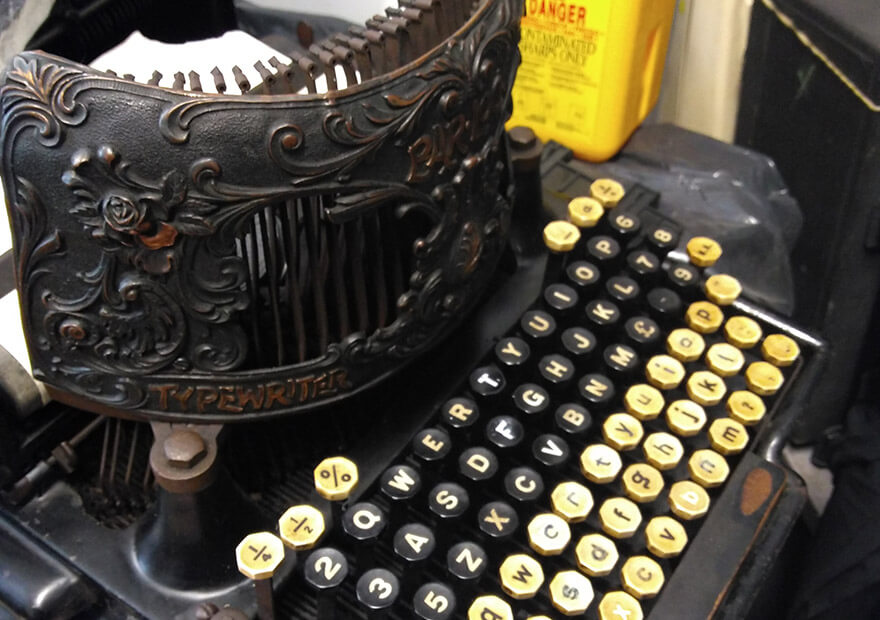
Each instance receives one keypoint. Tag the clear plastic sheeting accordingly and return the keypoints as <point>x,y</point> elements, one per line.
<point>726,192</point>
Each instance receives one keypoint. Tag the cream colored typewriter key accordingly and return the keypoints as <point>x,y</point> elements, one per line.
<point>685,417</point>
<point>622,431</point>
<point>725,360</point>
<point>572,501</point>
<point>607,191</point>
<point>728,436</point>
<point>685,345</point>
<point>585,212</point>
<point>704,317</point>
<point>561,236</point>
<point>335,478</point>
<point>644,401</point>
<point>665,537</point>
<point>258,556</point>
<point>489,607</point>
<point>742,331</point>
<point>780,350</point>
<point>600,463</point>
<point>664,372</point>
<point>688,500</point>
<point>618,605</point>
<point>539,618</point>
<point>571,593</point>
<point>746,407</point>
<point>706,388</point>
<point>642,577</point>
<point>642,483</point>
<point>703,251</point>
<point>764,378</point>
<point>662,450</point>
<point>301,527</point>
<point>619,517</point>
<point>548,534</point>
<point>596,555</point>
<point>722,289</point>
<point>708,468</point>
<point>521,576</point>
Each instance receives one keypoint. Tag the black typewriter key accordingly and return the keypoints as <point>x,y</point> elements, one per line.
<point>498,521</point>
<point>662,239</point>
<point>512,355</point>
<point>413,543</point>
<point>644,265</point>
<point>583,275</point>
<point>602,314</point>
<point>434,601</point>
<point>467,561</point>
<point>643,333</point>
<point>324,570</point>
<point>579,344</point>
<point>621,360</point>
<point>598,390</point>
<point>459,415</point>
<point>572,419</point>
<point>538,327</point>
<point>624,226</point>
<point>664,304</point>
<point>477,465</point>
<point>551,451</point>
<point>560,299</point>
<point>400,484</point>
<point>363,523</point>
<point>684,278</point>
<point>487,381</point>
<point>377,590</point>
<point>431,445</point>
<point>505,432</point>
<point>556,370</point>
<point>524,484</point>
<point>531,399</point>
<point>623,291</point>
<point>448,501</point>
<point>603,250</point>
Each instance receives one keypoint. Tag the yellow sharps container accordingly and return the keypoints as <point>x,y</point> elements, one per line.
<point>590,70</point>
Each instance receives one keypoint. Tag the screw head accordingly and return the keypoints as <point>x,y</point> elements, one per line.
<point>184,448</point>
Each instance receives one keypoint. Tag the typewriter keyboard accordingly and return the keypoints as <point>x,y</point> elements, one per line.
<point>573,472</point>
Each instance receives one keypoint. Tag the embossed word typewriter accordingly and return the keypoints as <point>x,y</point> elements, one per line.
<point>313,369</point>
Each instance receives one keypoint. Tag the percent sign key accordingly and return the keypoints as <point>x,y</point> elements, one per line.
<point>335,478</point>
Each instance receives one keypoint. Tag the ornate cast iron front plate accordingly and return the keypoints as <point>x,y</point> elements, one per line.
<point>181,255</point>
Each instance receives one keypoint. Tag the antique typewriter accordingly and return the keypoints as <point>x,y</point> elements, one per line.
<point>315,368</point>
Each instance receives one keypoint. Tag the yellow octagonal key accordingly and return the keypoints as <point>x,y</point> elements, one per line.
<point>764,378</point>
<point>258,555</point>
<point>548,534</point>
<point>585,212</point>
<point>742,331</point>
<point>489,607</point>
<point>596,555</point>
<point>643,401</point>
<point>703,251</point>
<point>642,577</point>
<point>619,517</point>
<point>665,537</point>
<point>723,289</point>
<point>642,482</point>
<point>607,191</point>
<point>724,359</point>
<point>618,605</point>
<point>780,350</point>
<point>622,431</point>
<point>708,468</point>
<point>572,501</point>
<point>685,344</point>
<point>335,478</point>
<point>688,500</point>
<point>746,407</point>
<point>561,236</point>
<point>704,317</point>
<point>706,388</point>
<point>571,592</point>
<point>664,372</point>
<point>301,526</point>
<point>521,576</point>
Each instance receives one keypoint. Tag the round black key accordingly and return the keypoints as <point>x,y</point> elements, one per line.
<point>524,484</point>
<point>573,419</point>
<point>448,500</point>
<point>664,304</point>
<point>643,264</point>
<point>662,239</point>
<point>602,313</point>
<point>621,360</point>
<point>414,542</point>
<point>560,298</point>
<point>400,483</point>
<point>603,249</point>
<point>377,589</point>
<point>431,444</point>
<point>487,381</point>
<point>624,226</point>
<point>505,432</point>
<point>434,601</point>
<point>550,450</point>
<point>459,413</point>
<point>364,521</point>
<point>531,398</point>
<point>467,561</point>
<point>538,326</point>
<point>643,333</point>
<point>498,520</point>
<point>512,353</point>
<point>582,275</point>
<point>596,389</point>
<point>478,464</point>
<point>623,291</point>
<point>325,568</point>
<point>579,343</point>
<point>684,278</point>
<point>556,369</point>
